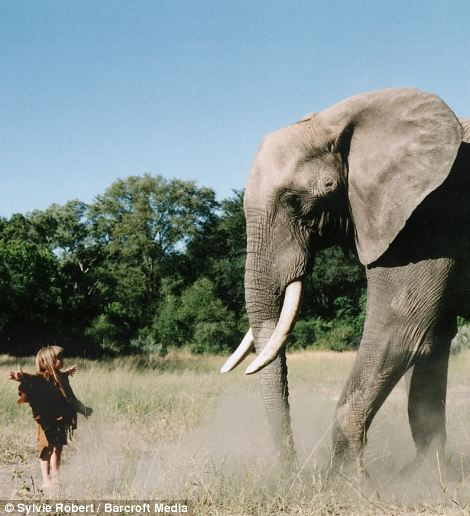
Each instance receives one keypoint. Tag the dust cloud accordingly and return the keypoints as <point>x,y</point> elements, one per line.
<point>232,452</point>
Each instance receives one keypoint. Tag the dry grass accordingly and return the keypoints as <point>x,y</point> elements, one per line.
<point>175,428</point>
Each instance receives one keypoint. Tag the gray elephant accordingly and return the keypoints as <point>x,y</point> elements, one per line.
<point>388,173</point>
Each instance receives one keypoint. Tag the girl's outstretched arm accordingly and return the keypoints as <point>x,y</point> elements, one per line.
<point>17,375</point>
<point>70,370</point>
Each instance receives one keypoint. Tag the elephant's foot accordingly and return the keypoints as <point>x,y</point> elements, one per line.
<point>411,469</point>
<point>352,479</point>
<point>288,461</point>
<point>288,467</point>
<point>349,439</point>
<point>284,462</point>
<point>347,462</point>
<point>430,466</point>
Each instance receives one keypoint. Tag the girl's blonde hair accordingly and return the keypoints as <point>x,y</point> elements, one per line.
<point>45,361</point>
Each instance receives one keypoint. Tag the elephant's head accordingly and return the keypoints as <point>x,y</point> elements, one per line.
<point>361,166</point>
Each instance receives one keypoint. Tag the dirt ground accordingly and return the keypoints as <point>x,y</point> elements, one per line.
<point>187,432</point>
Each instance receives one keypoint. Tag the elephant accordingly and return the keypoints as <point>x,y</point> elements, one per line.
<point>387,175</point>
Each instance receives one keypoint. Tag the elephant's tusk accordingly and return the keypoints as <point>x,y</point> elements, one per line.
<point>284,326</point>
<point>240,353</point>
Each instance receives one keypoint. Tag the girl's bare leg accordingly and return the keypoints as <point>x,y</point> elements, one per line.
<point>55,462</point>
<point>45,461</point>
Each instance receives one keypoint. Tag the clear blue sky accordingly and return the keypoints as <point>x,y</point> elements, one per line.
<point>92,91</point>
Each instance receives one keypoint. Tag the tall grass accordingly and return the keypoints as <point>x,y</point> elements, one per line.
<point>174,428</point>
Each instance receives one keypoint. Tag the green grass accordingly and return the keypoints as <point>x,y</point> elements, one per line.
<point>174,428</point>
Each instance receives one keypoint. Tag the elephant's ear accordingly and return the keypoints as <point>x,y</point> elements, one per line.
<point>400,146</point>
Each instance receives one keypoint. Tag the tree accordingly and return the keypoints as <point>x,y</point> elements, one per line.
<point>152,263</point>
<point>333,308</point>
<point>29,295</point>
<point>144,224</point>
<point>67,232</point>
<point>334,275</point>
<point>218,252</point>
<point>197,319</point>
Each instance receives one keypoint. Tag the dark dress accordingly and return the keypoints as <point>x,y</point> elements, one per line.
<point>54,408</point>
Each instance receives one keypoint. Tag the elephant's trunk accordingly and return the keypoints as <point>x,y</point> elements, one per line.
<point>264,309</point>
<point>282,330</point>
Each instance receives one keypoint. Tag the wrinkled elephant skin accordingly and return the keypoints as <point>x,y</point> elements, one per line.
<point>386,173</point>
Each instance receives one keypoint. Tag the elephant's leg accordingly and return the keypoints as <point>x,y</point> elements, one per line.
<point>371,381</point>
<point>426,403</point>
<point>408,319</point>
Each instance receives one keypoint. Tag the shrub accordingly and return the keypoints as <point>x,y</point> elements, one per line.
<point>340,337</point>
<point>306,332</point>
<point>213,337</point>
<point>104,334</point>
<point>342,332</point>
<point>337,335</point>
<point>145,343</point>
<point>197,319</point>
<point>168,327</point>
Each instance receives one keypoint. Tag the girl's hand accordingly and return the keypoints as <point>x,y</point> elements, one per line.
<point>16,375</point>
<point>71,370</point>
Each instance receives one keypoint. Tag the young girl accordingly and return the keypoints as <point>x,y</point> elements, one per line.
<point>54,407</point>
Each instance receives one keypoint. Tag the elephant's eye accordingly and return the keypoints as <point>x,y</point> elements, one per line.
<point>299,205</point>
<point>292,202</point>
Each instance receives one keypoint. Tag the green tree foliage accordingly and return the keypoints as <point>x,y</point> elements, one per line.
<point>29,294</point>
<point>143,225</point>
<point>333,310</point>
<point>218,253</point>
<point>197,318</point>
<point>152,263</point>
<point>67,231</point>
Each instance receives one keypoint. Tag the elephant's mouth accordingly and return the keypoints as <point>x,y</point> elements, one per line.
<point>284,326</point>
